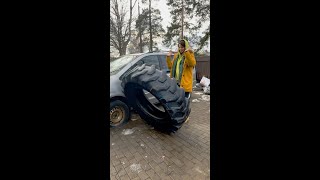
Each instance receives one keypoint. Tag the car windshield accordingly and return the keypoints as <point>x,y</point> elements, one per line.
<point>118,64</point>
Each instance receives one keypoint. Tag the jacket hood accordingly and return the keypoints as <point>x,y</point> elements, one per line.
<point>186,45</point>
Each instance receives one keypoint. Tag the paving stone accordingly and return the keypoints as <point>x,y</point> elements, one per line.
<point>154,155</point>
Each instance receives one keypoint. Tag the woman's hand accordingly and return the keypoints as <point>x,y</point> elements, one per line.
<point>189,49</point>
<point>169,54</point>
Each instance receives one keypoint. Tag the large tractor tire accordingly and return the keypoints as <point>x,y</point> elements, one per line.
<point>175,107</point>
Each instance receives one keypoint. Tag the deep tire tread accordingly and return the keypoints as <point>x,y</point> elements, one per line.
<point>166,91</point>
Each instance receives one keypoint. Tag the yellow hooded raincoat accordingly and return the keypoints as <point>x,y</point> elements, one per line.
<point>184,77</point>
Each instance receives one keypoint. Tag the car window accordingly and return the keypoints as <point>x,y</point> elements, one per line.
<point>119,63</point>
<point>151,60</point>
<point>139,63</point>
<point>163,62</point>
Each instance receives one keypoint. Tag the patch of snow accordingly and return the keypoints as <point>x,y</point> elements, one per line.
<point>127,131</point>
<point>205,98</point>
<point>195,100</point>
<point>198,93</point>
<point>135,167</point>
<point>198,170</point>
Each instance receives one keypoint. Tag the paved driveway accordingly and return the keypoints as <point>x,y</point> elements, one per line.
<point>137,151</point>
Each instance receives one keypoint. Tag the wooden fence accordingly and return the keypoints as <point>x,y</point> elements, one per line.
<point>202,67</point>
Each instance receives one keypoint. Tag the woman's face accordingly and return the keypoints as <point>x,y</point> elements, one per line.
<point>181,48</point>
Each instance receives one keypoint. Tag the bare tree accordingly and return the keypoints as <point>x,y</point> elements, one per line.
<point>120,28</point>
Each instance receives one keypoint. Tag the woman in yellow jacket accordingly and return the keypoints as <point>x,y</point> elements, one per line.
<point>182,65</point>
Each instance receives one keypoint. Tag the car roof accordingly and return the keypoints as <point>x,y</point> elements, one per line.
<point>136,54</point>
<point>148,53</point>
<point>153,53</point>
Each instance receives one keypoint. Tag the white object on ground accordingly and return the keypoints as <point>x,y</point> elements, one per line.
<point>198,85</point>
<point>205,81</point>
<point>205,98</point>
<point>135,167</point>
<point>198,93</point>
<point>127,131</point>
<point>206,90</point>
<point>195,100</point>
<point>199,170</point>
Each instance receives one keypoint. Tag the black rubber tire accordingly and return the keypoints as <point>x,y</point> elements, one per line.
<point>162,87</point>
<point>126,111</point>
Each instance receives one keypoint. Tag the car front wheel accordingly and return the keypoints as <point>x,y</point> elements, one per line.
<point>119,113</point>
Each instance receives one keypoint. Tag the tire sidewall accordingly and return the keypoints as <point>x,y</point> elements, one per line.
<point>171,97</point>
<point>126,112</point>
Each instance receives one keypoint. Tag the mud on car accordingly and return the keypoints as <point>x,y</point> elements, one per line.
<point>141,82</point>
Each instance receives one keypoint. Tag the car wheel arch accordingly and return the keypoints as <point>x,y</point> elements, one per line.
<point>120,98</point>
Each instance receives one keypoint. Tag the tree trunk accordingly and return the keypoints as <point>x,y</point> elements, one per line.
<point>140,33</point>
<point>122,51</point>
<point>182,20</point>
<point>150,26</point>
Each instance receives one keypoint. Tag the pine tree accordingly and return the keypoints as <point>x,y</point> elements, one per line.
<point>153,18</point>
<point>199,9</point>
<point>202,10</point>
<point>143,27</point>
<point>177,7</point>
